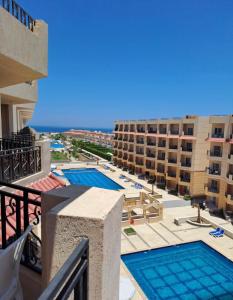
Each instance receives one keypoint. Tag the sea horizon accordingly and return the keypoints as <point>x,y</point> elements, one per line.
<point>49,129</point>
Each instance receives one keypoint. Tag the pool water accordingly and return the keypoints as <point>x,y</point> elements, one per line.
<point>91,177</point>
<point>56,145</point>
<point>188,271</point>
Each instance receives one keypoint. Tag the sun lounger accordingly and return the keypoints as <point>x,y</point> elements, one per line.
<point>214,231</point>
<point>219,234</point>
<point>122,176</point>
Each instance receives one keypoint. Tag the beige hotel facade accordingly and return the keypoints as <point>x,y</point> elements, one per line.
<point>179,154</point>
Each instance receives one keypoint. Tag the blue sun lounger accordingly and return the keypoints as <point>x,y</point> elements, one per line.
<point>219,234</point>
<point>214,231</point>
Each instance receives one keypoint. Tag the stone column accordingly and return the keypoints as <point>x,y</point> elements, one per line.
<point>71,212</point>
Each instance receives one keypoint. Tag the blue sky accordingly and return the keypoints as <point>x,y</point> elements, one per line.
<point>130,59</point>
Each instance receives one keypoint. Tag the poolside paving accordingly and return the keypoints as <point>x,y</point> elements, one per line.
<point>166,232</point>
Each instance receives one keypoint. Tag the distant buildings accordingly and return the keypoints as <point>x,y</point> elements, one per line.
<point>189,156</point>
<point>96,137</point>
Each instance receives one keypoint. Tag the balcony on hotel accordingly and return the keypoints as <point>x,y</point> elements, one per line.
<point>186,146</point>
<point>141,128</point>
<point>125,138</point>
<point>171,172</point>
<point>140,140</point>
<point>218,131</point>
<point>152,128</point>
<point>174,129</point>
<point>162,143</point>
<point>151,141</point>
<point>150,165</point>
<point>132,128</point>
<point>213,186</point>
<point>150,153</point>
<point>139,162</point>
<point>230,155</point>
<point>131,149</point>
<point>23,45</point>
<point>214,169</point>
<point>126,128</point>
<point>185,162</point>
<point>162,129</point>
<point>172,158</point>
<point>229,192</point>
<point>188,129</point>
<point>161,168</point>
<point>173,144</point>
<point>161,155</point>
<point>215,152</point>
<point>185,176</point>
<point>140,151</point>
<point>230,173</point>
<point>19,156</point>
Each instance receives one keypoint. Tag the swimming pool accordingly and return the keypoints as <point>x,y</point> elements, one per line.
<point>188,271</point>
<point>56,145</point>
<point>91,177</point>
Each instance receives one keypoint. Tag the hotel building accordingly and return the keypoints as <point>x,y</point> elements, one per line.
<point>173,151</point>
<point>219,180</point>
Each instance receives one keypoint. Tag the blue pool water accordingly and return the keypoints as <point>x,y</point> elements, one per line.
<point>189,271</point>
<point>56,145</point>
<point>91,177</point>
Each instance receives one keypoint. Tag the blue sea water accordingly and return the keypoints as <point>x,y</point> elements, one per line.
<point>189,271</point>
<point>91,177</point>
<point>48,129</point>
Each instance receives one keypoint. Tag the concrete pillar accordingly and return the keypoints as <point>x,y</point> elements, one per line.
<point>45,155</point>
<point>92,212</point>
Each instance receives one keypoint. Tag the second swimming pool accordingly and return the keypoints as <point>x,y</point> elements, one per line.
<point>183,272</point>
<point>91,177</point>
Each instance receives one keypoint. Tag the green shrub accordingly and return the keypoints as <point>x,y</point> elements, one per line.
<point>187,197</point>
<point>129,231</point>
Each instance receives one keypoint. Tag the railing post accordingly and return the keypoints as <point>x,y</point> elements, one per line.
<point>3,220</point>
<point>18,217</point>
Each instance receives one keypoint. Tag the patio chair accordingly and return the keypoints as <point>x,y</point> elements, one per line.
<point>10,257</point>
<point>214,231</point>
<point>219,234</point>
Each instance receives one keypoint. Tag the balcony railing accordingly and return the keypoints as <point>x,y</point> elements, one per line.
<point>151,130</point>
<point>160,170</point>
<point>217,135</point>
<point>72,277</point>
<point>172,161</point>
<point>19,162</point>
<point>17,211</point>
<point>149,143</point>
<point>171,174</point>
<point>141,130</point>
<point>173,146</point>
<point>19,13</point>
<point>162,144</point>
<point>161,157</point>
<point>150,154</point>
<point>215,153</point>
<point>185,178</point>
<point>213,189</point>
<point>186,164</point>
<point>214,171</point>
<point>140,142</point>
<point>186,149</point>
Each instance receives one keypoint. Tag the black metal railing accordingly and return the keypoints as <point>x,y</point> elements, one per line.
<point>16,207</point>
<point>19,162</point>
<point>19,13</point>
<point>72,277</point>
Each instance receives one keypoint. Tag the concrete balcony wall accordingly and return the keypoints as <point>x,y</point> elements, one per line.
<point>20,93</point>
<point>71,212</point>
<point>23,53</point>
